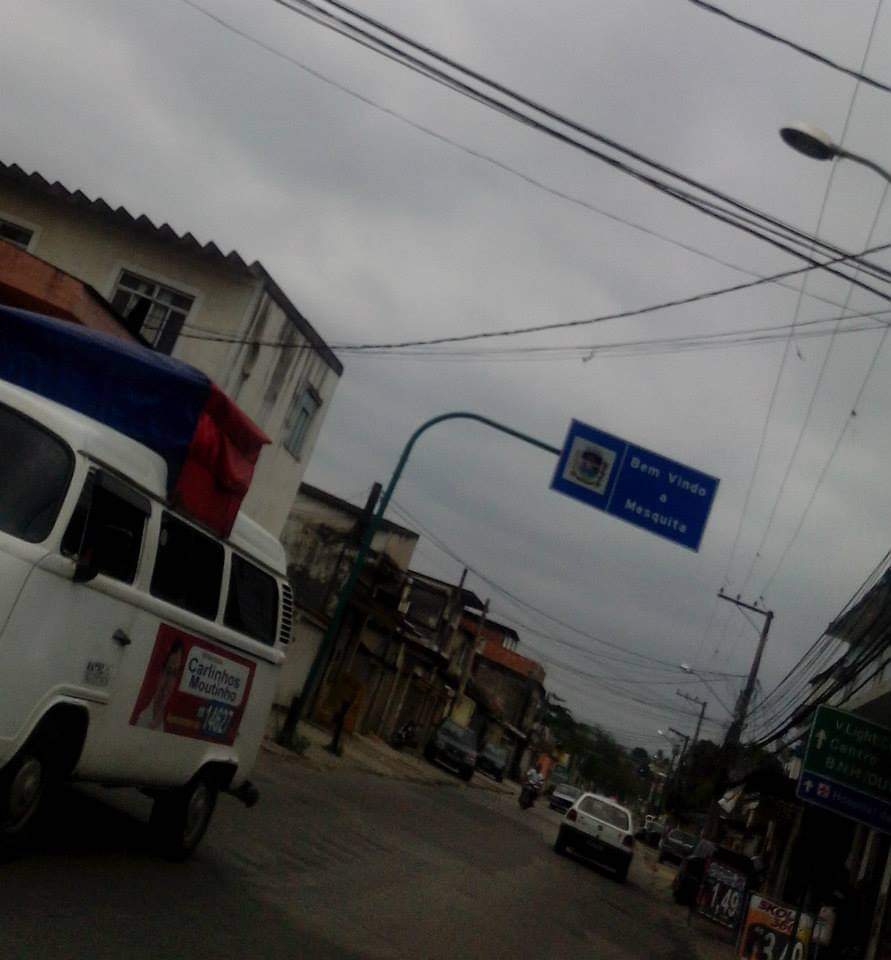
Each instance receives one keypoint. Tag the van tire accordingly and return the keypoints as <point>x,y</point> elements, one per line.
<point>22,787</point>
<point>180,817</point>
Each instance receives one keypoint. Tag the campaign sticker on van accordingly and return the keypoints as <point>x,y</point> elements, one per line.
<point>193,688</point>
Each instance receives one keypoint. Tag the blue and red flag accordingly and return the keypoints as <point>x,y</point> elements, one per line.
<point>209,444</point>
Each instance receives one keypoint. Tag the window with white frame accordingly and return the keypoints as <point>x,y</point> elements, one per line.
<point>299,418</point>
<point>152,310</point>
<point>15,233</point>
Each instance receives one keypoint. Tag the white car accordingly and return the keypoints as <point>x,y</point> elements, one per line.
<point>599,829</point>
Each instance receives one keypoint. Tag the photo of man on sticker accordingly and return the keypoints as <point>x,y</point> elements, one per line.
<point>154,713</point>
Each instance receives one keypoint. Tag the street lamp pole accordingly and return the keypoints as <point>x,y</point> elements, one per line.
<point>326,646</point>
<point>818,145</point>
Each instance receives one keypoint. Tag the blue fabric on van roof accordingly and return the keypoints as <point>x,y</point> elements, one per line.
<point>148,396</point>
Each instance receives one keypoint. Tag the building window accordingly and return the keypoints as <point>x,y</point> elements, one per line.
<point>151,310</point>
<point>16,234</point>
<point>299,418</point>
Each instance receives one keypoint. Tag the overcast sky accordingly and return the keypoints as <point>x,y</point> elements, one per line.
<point>379,231</point>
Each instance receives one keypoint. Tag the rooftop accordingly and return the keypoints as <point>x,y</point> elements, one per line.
<point>140,223</point>
<point>332,500</point>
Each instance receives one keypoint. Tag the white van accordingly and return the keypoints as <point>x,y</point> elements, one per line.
<point>136,647</point>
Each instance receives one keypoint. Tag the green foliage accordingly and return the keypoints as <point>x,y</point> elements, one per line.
<point>598,760</point>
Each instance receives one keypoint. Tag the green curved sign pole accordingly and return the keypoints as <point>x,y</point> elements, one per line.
<point>326,647</point>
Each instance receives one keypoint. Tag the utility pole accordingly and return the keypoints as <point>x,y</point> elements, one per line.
<point>686,740</point>
<point>468,665</point>
<point>301,702</point>
<point>702,705</point>
<point>734,731</point>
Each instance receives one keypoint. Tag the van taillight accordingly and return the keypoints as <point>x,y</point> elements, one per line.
<point>628,841</point>
<point>572,815</point>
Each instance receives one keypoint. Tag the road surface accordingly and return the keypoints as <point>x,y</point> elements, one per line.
<point>330,865</point>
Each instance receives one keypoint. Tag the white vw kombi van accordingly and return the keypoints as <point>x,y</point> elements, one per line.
<point>136,647</point>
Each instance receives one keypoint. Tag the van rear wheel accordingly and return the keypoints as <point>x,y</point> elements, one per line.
<point>22,784</point>
<point>180,817</point>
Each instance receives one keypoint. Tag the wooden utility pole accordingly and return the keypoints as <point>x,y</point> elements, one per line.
<point>734,731</point>
<point>702,706</point>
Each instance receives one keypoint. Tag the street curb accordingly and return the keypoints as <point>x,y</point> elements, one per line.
<point>276,749</point>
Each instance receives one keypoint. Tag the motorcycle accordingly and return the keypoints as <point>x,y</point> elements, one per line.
<point>528,794</point>
<point>405,736</point>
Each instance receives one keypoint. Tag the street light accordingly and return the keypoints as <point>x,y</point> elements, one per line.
<point>818,145</point>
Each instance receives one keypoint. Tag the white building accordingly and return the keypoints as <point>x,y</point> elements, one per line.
<point>198,304</point>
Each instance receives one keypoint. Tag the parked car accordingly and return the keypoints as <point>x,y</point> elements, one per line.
<point>652,832</point>
<point>492,761</point>
<point>600,830</point>
<point>454,747</point>
<point>675,845</point>
<point>563,797</point>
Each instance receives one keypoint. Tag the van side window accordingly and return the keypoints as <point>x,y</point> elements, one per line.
<point>107,526</point>
<point>188,568</point>
<point>252,604</point>
<point>35,470</point>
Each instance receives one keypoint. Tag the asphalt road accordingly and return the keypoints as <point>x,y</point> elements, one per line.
<point>329,865</point>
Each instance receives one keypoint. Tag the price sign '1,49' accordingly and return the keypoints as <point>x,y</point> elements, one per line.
<point>722,894</point>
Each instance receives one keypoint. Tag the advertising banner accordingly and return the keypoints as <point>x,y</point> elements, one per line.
<point>767,934</point>
<point>193,688</point>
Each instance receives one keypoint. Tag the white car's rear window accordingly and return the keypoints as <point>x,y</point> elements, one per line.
<point>614,816</point>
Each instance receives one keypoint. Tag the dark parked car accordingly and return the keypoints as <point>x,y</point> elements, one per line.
<point>563,797</point>
<point>492,761</point>
<point>675,845</point>
<point>453,747</point>
<point>652,832</point>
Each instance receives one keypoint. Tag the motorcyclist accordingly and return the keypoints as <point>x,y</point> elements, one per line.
<point>535,779</point>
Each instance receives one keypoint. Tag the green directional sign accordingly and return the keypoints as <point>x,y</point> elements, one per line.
<point>847,767</point>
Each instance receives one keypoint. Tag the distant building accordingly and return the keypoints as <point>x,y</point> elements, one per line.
<point>507,687</point>
<point>212,309</point>
<point>321,539</point>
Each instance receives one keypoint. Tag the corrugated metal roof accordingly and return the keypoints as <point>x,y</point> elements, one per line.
<point>121,214</point>
<point>186,241</point>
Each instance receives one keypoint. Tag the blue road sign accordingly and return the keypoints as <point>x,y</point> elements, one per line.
<point>633,483</point>
<point>844,800</point>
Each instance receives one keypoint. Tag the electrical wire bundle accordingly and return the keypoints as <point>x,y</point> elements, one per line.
<point>826,668</point>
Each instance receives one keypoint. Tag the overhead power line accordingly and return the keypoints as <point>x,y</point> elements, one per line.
<point>642,346</point>
<point>775,390</point>
<point>561,325</point>
<point>525,604</point>
<point>736,216</point>
<point>797,47</point>
<point>480,155</point>
<point>829,461</point>
<point>829,352</point>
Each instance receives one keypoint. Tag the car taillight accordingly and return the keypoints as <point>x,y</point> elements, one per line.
<point>572,815</point>
<point>628,841</point>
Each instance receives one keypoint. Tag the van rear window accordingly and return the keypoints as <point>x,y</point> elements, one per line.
<point>189,568</point>
<point>35,470</point>
<point>252,604</point>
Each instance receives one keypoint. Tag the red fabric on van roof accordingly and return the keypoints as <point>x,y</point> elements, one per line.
<point>219,464</point>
